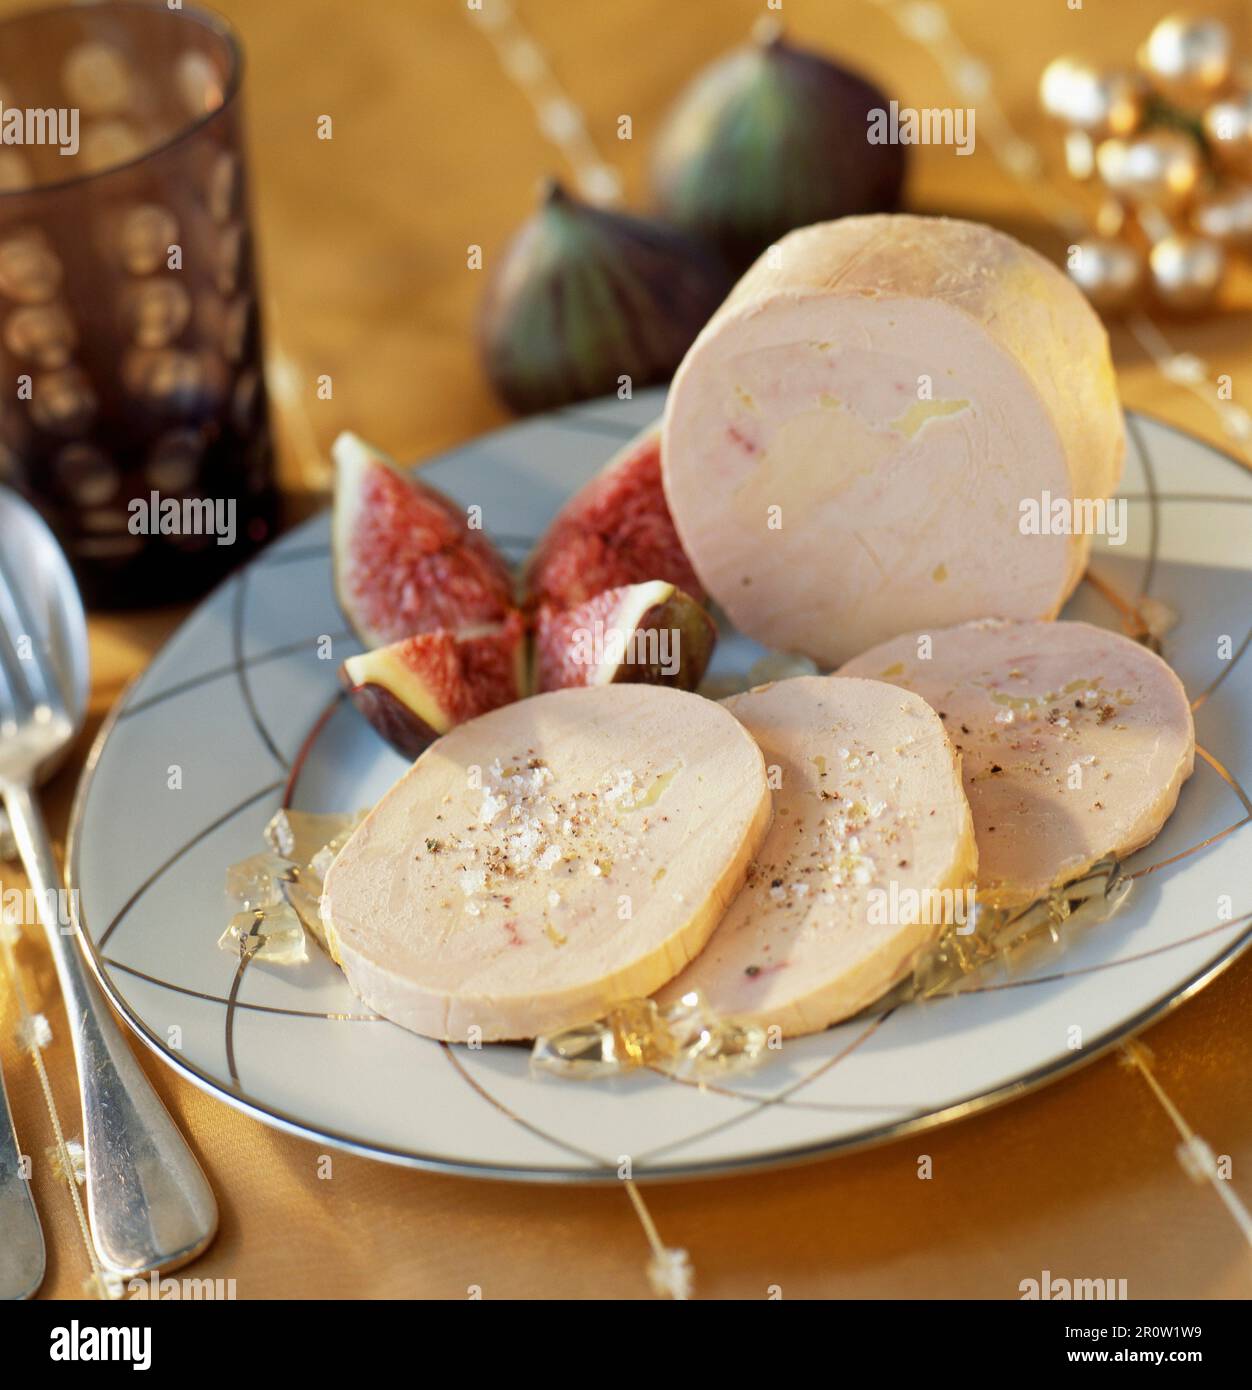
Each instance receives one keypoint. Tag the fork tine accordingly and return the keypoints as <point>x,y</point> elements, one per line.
<point>17,620</point>
<point>14,697</point>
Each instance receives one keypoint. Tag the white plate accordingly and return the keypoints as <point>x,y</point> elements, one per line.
<point>233,695</point>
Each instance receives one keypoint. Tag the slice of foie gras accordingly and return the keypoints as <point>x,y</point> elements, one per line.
<point>871,852</point>
<point>1075,741</point>
<point>546,861</point>
<point>848,442</point>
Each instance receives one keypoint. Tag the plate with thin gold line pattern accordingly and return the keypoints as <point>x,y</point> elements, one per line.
<point>233,696</point>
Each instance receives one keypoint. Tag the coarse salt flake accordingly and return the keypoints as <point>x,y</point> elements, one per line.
<point>622,787</point>
<point>473,881</point>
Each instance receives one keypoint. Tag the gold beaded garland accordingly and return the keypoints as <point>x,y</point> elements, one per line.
<point>1187,58</point>
<point>1108,271</point>
<point>1161,167</point>
<point>1228,128</point>
<point>1186,270</point>
<point>1226,215</point>
<point>1101,103</point>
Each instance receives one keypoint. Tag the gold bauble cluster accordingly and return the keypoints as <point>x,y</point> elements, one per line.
<point>1170,143</point>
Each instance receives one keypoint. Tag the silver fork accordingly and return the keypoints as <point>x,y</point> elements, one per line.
<point>149,1203</point>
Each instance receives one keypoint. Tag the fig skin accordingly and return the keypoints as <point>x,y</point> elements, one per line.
<point>769,138</point>
<point>392,718</point>
<point>634,611</point>
<point>583,296</point>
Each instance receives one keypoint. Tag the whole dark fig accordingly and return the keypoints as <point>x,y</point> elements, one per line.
<point>584,297</point>
<point>767,139</point>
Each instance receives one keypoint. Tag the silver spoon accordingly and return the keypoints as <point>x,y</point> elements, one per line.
<point>21,1236</point>
<point>149,1203</point>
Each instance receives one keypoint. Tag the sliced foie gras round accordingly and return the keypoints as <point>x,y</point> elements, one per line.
<point>1075,741</point>
<point>548,860</point>
<point>871,852</point>
<point>848,443</point>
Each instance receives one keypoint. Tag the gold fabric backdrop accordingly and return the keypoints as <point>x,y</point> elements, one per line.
<point>363,250</point>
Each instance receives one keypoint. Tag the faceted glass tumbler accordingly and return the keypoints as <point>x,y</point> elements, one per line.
<point>132,402</point>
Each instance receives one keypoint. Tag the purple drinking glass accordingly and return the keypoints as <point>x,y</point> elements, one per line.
<point>135,416</point>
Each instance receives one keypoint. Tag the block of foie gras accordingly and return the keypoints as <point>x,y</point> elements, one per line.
<point>848,443</point>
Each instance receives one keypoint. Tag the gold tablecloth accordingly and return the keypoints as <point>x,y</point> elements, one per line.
<point>363,241</point>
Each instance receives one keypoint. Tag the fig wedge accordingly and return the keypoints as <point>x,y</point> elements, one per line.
<point>406,560</point>
<point>615,530</point>
<point>414,690</point>
<point>638,634</point>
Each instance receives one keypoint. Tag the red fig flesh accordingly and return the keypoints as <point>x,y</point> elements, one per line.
<point>643,634</point>
<point>616,530</point>
<point>406,560</point>
<point>416,689</point>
